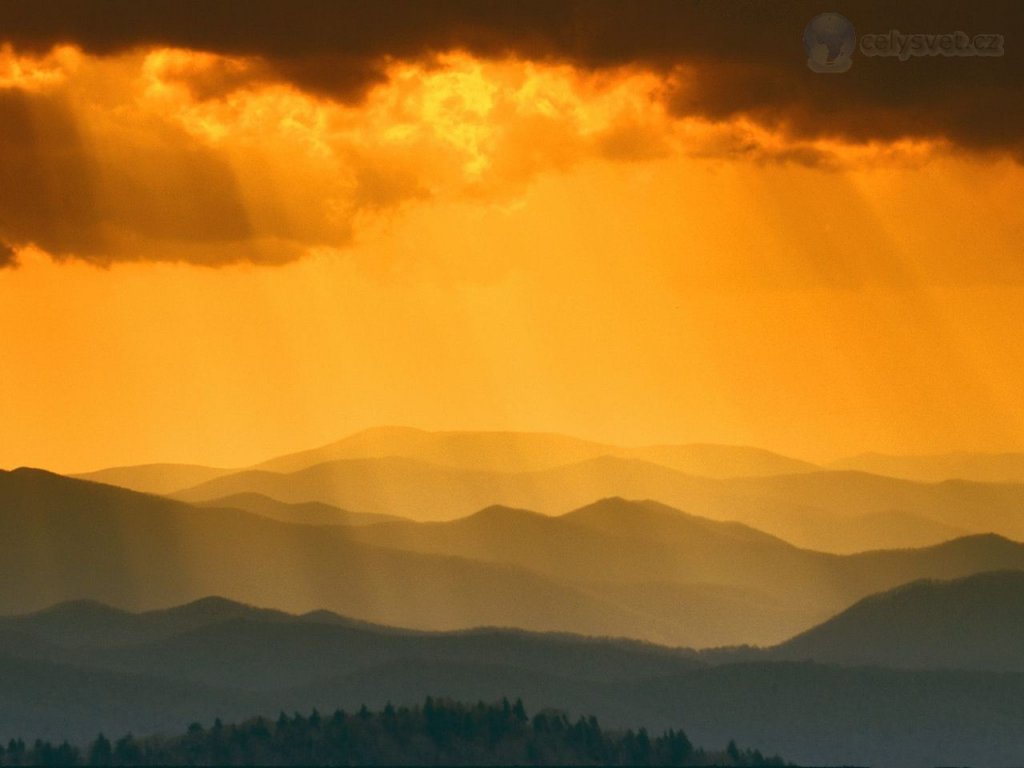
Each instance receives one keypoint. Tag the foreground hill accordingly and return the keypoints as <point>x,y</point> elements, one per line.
<point>835,511</point>
<point>975,622</point>
<point>156,672</point>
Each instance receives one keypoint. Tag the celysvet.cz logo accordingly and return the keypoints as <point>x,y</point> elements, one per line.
<point>830,42</point>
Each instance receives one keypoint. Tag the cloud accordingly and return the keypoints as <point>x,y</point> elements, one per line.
<point>146,190</point>
<point>8,256</point>
<point>267,131</point>
<point>145,156</point>
<point>739,58</point>
<point>48,190</point>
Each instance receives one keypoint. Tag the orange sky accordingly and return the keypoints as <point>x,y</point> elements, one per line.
<point>486,244</point>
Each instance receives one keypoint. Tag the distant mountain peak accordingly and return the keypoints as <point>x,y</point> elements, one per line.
<point>212,606</point>
<point>622,506</point>
<point>79,607</point>
<point>32,472</point>
<point>979,540</point>
<point>502,512</point>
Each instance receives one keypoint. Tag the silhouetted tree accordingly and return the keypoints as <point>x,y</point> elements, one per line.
<point>127,751</point>
<point>733,752</point>
<point>441,731</point>
<point>101,752</point>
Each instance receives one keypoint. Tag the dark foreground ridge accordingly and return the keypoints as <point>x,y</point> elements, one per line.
<point>81,668</point>
<point>441,732</point>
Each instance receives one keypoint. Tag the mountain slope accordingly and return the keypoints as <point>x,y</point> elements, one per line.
<point>636,569</point>
<point>831,532</point>
<point>424,491</point>
<point>84,540</point>
<point>615,542</point>
<point>533,451</point>
<point>975,622</point>
<point>977,467</point>
<point>309,513</point>
<point>648,556</point>
<point>257,665</point>
<point>81,540</point>
<point>818,510</point>
<point>484,451</point>
<point>396,486</point>
<point>218,642</point>
<point>155,478</point>
<point>720,461</point>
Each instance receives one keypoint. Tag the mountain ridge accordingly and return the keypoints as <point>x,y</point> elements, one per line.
<point>959,716</point>
<point>972,622</point>
<point>1004,467</point>
<point>813,509</point>
<point>651,572</point>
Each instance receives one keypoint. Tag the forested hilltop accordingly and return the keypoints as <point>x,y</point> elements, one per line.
<point>439,732</point>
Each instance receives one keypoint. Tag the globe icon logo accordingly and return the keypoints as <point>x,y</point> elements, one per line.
<point>829,40</point>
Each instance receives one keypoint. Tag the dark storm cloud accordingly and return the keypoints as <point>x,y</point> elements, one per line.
<point>57,194</point>
<point>747,57</point>
<point>47,180</point>
<point>8,258</point>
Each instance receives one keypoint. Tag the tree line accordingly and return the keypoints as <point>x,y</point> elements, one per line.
<point>438,732</point>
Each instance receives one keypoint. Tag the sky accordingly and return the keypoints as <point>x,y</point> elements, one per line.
<point>231,235</point>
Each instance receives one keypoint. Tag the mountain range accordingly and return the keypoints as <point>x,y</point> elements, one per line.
<point>976,622</point>
<point>481,451</point>
<point>978,467</point>
<point>844,511</point>
<point>445,475</point>
<point>78,668</point>
<point>527,452</point>
<point>868,610</point>
<point>615,567</point>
